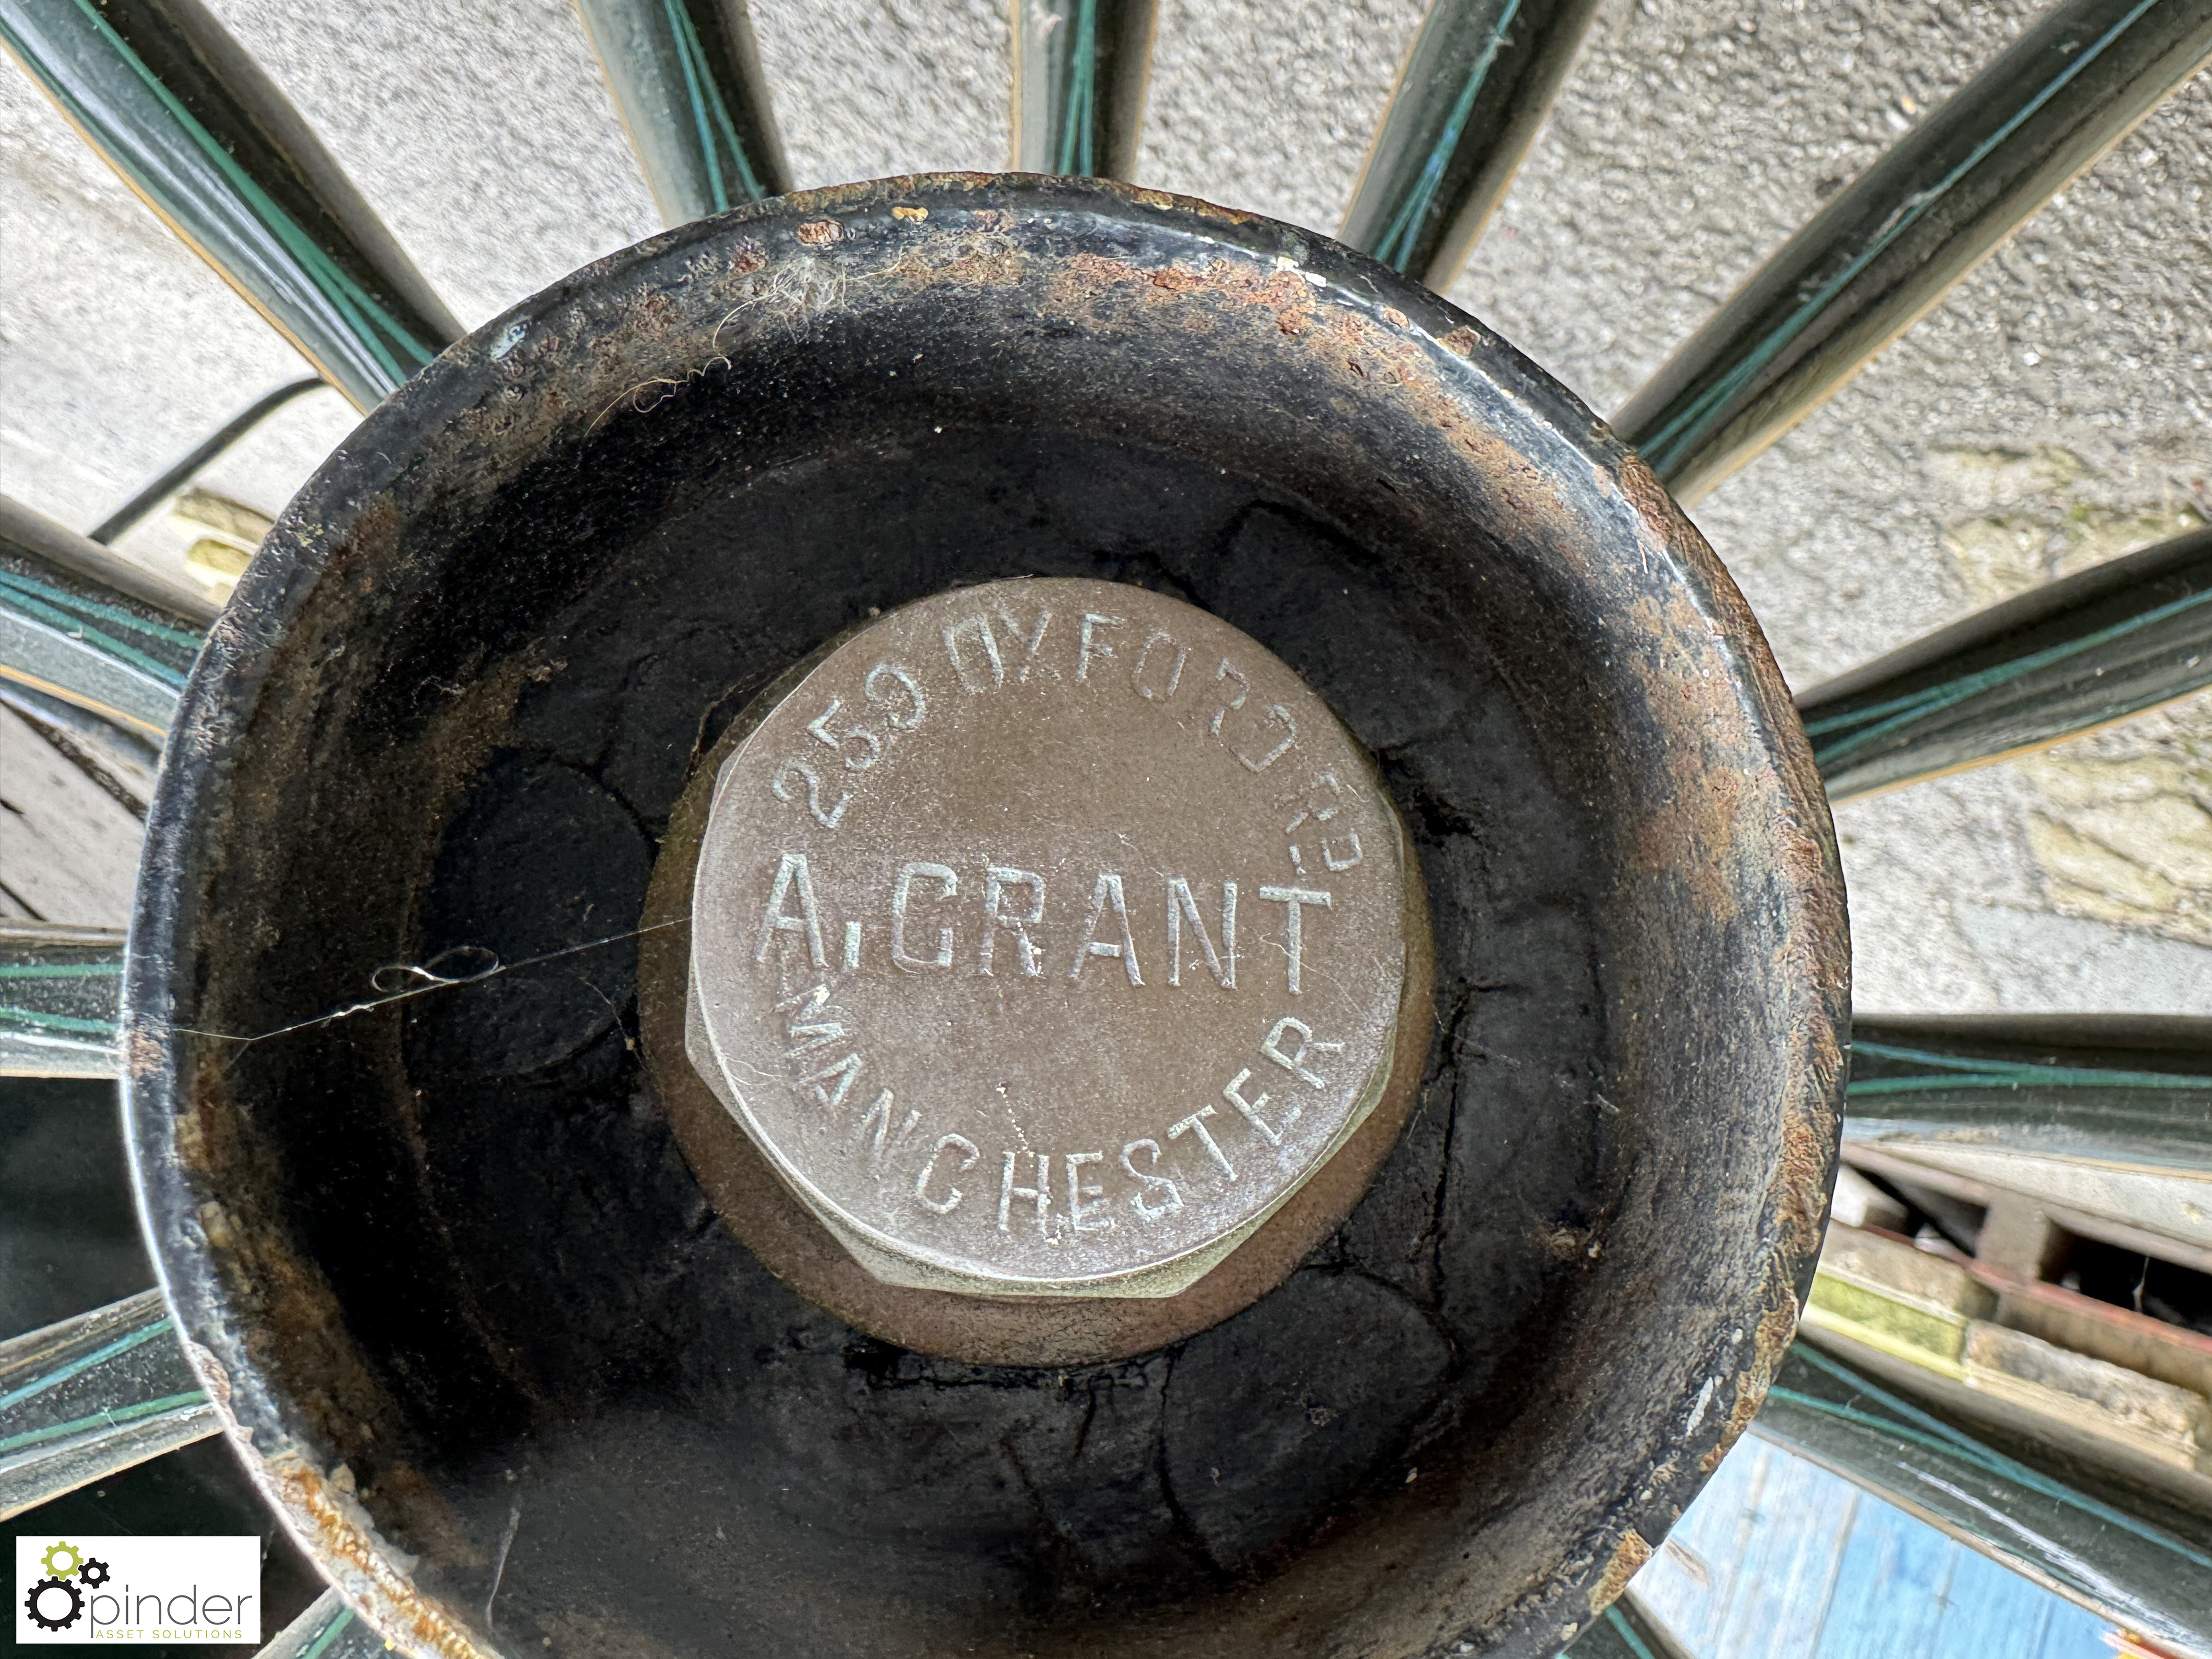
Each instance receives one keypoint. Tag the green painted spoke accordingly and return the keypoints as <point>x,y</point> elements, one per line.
<point>327,1630</point>
<point>107,1417</point>
<point>1080,68</point>
<point>686,78</point>
<point>2126,1557</point>
<point>1476,84</point>
<point>2075,655</point>
<point>172,104</point>
<point>81,618</point>
<point>2110,1087</point>
<point>1890,245</point>
<point>1626,1631</point>
<point>79,624</point>
<point>91,1396</point>
<point>60,993</point>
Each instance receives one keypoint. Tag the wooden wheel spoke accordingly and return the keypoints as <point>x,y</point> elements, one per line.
<point>1892,243</point>
<point>192,124</point>
<point>1079,73</point>
<point>79,624</point>
<point>2066,658</point>
<point>1477,83</point>
<point>685,76</point>
<point>91,1396</point>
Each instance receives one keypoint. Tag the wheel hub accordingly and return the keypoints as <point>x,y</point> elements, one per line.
<point>1048,938</point>
<point>452,1224</point>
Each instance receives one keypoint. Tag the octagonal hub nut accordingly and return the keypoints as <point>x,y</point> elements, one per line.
<point>1047,936</point>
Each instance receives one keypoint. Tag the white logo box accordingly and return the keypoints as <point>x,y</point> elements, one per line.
<point>136,1589</point>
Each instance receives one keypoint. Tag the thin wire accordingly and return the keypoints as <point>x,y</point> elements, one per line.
<point>433,980</point>
<point>499,1569</point>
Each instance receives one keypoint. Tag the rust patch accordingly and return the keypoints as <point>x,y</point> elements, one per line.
<point>214,1377</point>
<point>992,261</point>
<point>1462,340</point>
<point>1191,204</point>
<point>912,215</point>
<point>141,1054</point>
<point>1080,274</point>
<point>1800,1180</point>
<point>394,1604</point>
<point>1628,1557</point>
<point>1649,498</point>
<point>820,232</point>
<point>1777,1328</point>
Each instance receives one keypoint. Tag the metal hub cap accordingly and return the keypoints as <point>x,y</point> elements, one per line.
<point>1047,936</point>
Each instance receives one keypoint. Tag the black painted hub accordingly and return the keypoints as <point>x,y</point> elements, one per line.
<point>449,1244</point>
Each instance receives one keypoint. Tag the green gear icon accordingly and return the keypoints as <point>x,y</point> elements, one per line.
<point>68,1553</point>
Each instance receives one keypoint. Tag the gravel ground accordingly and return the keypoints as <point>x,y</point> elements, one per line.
<point>2052,412</point>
